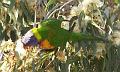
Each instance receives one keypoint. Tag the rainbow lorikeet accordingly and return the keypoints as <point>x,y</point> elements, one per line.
<point>50,35</point>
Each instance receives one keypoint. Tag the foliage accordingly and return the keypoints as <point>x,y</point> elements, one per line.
<point>97,17</point>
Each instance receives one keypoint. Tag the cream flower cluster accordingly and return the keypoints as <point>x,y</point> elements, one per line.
<point>76,10</point>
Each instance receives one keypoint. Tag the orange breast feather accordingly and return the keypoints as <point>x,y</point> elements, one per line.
<point>45,44</point>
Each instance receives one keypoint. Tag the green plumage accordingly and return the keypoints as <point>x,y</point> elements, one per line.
<point>51,30</point>
<point>52,23</point>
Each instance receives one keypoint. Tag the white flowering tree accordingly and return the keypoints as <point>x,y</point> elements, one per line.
<point>97,17</point>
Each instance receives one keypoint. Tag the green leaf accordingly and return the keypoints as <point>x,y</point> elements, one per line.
<point>117,1</point>
<point>7,19</point>
<point>33,65</point>
<point>12,4</point>
<point>50,4</point>
<point>27,15</point>
<point>1,33</point>
<point>0,5</point>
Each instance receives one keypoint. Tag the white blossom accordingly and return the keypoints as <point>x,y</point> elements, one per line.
<point>20,49</point>
<point>76,10</point>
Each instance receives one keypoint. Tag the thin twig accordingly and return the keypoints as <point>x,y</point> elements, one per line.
<point>59,8</point>
<point>49,64</point>
<point>48,13</point>
<point>35,12</point>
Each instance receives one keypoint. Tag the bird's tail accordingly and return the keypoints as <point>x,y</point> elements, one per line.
<point>84,37</point>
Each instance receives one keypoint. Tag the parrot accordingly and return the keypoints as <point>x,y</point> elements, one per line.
<point>49,35</point>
